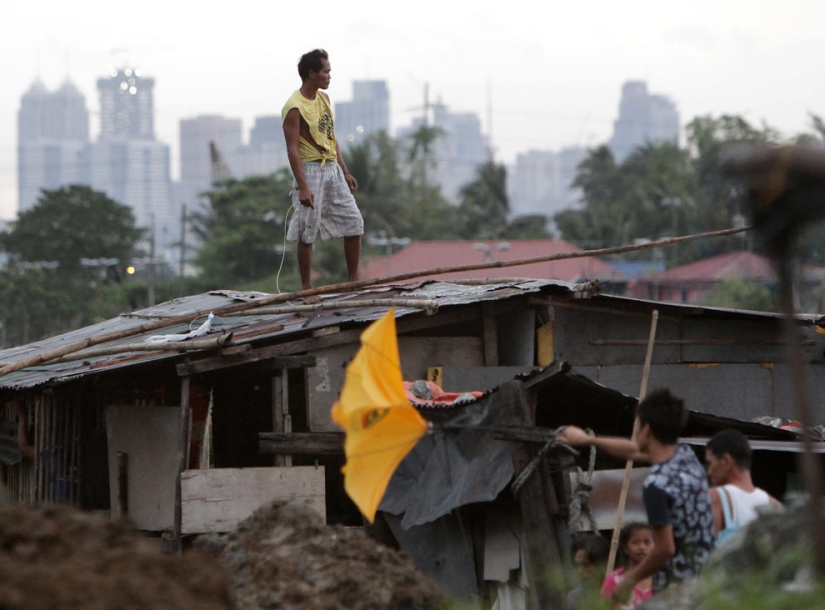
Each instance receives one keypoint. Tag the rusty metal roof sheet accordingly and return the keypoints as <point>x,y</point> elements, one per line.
<point>270,325</point>
<point>247,326</point>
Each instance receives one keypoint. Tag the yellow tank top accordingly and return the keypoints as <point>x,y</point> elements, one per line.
<point>318,115</point>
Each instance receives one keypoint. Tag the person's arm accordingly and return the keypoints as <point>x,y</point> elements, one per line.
<point>622,448</point>
<point>718,516</point>
<point>292,133</point>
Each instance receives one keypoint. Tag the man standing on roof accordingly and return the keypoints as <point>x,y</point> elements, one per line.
<point>734,498</point>
<point>322,191</point>
<point>675,493</point>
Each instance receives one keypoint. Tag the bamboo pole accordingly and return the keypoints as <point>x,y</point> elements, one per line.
<point>156,346</point>
<point>628,469</point>
<point>431,305</point>
<point>347,286</point>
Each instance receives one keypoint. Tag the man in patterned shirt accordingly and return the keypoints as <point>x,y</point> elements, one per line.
<point>675,494</point>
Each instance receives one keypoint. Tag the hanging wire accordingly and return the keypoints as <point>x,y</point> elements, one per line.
<point>580,504</point>
<point>521,479</point>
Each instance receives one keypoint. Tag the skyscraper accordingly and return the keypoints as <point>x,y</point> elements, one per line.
<point>542,181</point>
<point>266,152</point>
<point>195,165</point>
<point>643,117</point>
<point>127,163</point>
<point>126,105</point>
<point>52,133</point>
<point>368,112</point>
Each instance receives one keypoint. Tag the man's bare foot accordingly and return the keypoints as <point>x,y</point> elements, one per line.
<point>313,300</point>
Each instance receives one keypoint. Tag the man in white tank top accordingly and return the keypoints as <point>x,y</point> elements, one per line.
<point>734,497</point>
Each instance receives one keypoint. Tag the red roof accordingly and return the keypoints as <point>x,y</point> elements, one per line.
<point>742,264</point>
<point>430,255</point>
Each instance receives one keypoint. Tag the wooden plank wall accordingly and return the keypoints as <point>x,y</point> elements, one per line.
<point>217,500</point>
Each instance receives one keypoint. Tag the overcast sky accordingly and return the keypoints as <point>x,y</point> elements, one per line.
<point>541,75</point>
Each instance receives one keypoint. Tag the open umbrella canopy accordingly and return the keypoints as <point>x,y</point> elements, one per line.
<point>380,423</point>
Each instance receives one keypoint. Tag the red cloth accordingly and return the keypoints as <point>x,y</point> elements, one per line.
<point>439,395</point>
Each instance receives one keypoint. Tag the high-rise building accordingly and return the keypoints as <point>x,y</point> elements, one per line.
<point>458,150</point>
<point>542,181</point>
<point>266,152</point>
<point>126,105</point>
<point>368,112</point>
<point>195,162</point>
<point>52,133</point>
<point>128,163</point>
<point>643,117</point>
<point>136,173</point>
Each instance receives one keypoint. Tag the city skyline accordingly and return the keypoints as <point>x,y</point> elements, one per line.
<point>536,84</point>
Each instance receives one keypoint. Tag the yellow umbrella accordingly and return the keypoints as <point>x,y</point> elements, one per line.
<point>380,423</point>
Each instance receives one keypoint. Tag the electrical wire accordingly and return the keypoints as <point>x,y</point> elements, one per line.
<point>283,250</point>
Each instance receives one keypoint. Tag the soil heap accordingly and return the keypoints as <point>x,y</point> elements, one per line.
<point>284,557</point>
<point>59,557</point>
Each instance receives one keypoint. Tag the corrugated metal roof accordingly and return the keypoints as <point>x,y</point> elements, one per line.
<point>271,325</point>
<point>246,326</point>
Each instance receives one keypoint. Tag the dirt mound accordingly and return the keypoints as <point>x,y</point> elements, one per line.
<point>283,556</point>
<point>59,557</point>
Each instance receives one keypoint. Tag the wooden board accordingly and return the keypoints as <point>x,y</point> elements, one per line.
<point>326,378</point>
<point>149,435</point>
<point>217,500</point>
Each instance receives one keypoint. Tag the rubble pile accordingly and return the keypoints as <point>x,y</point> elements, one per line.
<point>284,557</point>
<point>59,557</point>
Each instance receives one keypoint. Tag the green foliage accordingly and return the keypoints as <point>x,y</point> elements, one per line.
<point>71,223</point>
<point>739,293</point>
<point>484,204</point>
<point>662,190</point>
<point>242,228</point>
<point>65,226</point>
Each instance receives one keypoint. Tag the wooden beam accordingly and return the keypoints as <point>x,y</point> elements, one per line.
<point>536,504</point>
<point>183,451</point>
<point>490,336</point>
<point>721,342</point>
<point>301,443</point>
<point>272,356</point>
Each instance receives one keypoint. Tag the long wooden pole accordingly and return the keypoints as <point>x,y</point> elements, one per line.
<point>347,286</point>
<point>628,469</point>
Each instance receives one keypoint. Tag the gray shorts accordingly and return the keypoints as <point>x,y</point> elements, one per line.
<point>336,214</point>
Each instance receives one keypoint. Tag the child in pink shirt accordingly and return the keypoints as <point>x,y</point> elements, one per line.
<point>635,543</point>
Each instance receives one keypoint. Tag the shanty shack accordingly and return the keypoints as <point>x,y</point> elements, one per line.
<point>187,421</point>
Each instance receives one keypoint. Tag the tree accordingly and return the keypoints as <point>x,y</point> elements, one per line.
<point>45,288</point>
<point>737,293</point>
<point>484,203</point>
<point>242,229</point>
<point>662,190</point>
<point>72,223</point>
<point>391,194</point>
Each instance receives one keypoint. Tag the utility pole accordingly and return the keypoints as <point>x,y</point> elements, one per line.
<point>182,261</point>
